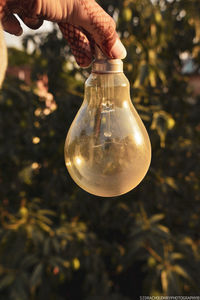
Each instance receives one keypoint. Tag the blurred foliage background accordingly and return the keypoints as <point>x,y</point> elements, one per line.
<point>58,242</point>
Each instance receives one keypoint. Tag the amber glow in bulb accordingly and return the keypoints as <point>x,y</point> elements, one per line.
<point>107,149</point>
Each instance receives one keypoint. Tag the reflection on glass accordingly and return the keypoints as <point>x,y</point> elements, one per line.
<point>107,149</point>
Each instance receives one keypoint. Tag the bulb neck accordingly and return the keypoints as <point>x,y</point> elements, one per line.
<point>105,65</point>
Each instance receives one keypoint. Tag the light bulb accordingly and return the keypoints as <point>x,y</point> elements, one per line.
<point>107,149</point>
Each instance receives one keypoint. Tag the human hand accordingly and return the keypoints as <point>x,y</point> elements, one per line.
<point>82,22</point>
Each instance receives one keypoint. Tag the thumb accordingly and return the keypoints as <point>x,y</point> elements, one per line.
<point>91,17</point>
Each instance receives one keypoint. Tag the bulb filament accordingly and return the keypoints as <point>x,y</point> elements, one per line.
<point>107,108</point>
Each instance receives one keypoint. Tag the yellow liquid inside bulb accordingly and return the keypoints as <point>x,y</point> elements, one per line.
<point>107,149</point>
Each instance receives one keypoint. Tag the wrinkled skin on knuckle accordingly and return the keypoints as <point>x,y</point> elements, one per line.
<point>52,10</point>
<point>96,21</point>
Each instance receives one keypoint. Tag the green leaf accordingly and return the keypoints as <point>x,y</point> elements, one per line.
<point>6,281</point>
<point>144,70</point>
<point>46,249</point>
<point>156,218</point>
<point>46,212</point>
<point>181,271</point>
<point>163,228</point>
<point>171,182</point>
<point>175,256</point>
<point>164,281</point>
<point>160,230</point>
<point>36,277</point>
<point>136,231</point>
<point>44,219</point>
<point>29,260</point>
<point>44,226</point>
<point>56,245</point>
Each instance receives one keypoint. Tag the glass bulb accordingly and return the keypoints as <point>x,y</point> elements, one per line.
<point>107,149</point>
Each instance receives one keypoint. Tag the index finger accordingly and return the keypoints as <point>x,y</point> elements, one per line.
<point>90,16</point>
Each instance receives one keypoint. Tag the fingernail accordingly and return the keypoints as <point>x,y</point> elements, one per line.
<point>118,50</point>
<point>19,32</point>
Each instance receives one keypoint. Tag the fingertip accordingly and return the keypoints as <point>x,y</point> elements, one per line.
<point>15,31</point>
<point>84,62</point>
<point>118,50</point>
<point>85,66</point>
<point>11,25</point>
<point>19,32</point>
<point>82,56</point>
<point>33,23</point>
